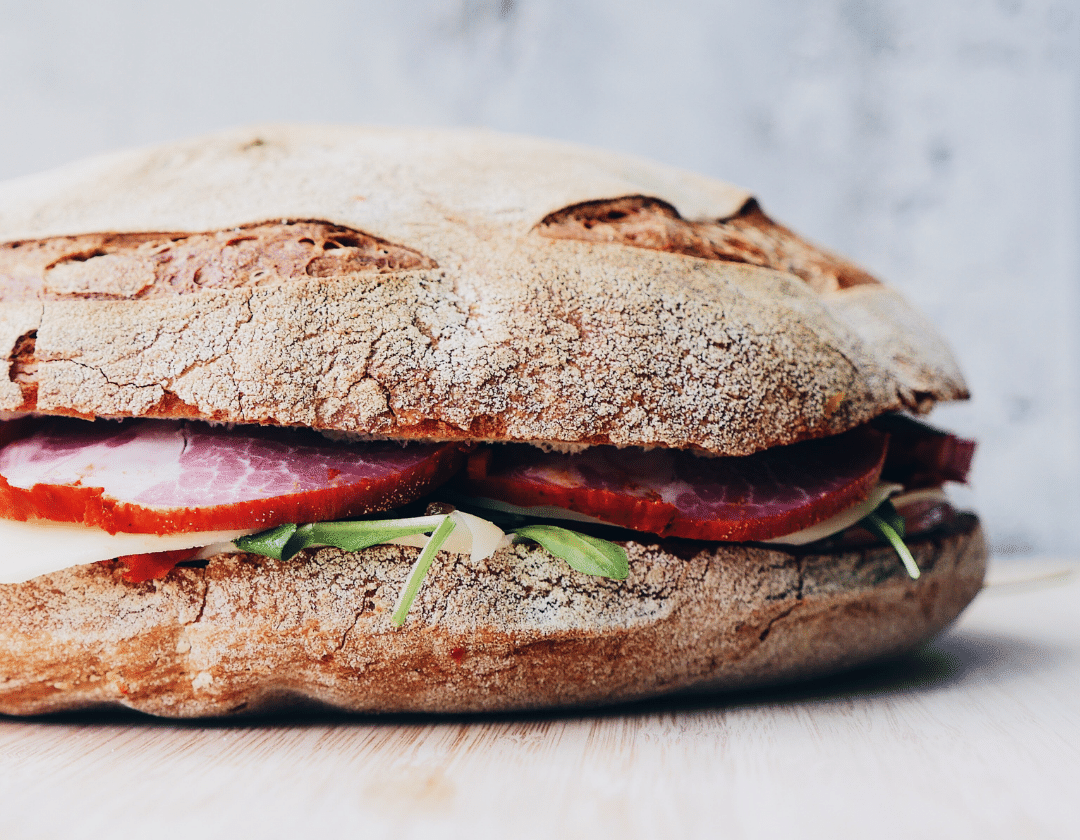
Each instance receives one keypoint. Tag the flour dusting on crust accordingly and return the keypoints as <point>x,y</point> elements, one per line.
<point>477,326</point>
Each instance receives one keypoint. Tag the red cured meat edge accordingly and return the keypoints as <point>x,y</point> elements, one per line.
<point>639,508</point>
<point>927,459</point>
<point>88,505</point>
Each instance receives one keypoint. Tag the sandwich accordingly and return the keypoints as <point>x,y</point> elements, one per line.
<point>450,421</point>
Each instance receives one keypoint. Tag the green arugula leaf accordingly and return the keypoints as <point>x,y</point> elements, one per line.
<point>420,570</point>
<point>268,543</point>
<point>356,536</point>
<point>283,542</point>
<point>589,555</point>
<point>883,523</point>
<point>887,511</point>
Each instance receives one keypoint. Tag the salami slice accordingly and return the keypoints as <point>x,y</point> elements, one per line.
<point>165,477</point>
<point>675,493</point>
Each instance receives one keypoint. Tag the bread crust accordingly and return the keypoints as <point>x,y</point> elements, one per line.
<point>517,631</point>
<point>490,330</point>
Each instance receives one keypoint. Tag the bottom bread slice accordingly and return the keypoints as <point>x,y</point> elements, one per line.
<point>520,630</point>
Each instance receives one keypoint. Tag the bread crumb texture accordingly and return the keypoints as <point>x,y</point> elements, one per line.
<point>443,285</point>
<point>519,630</point>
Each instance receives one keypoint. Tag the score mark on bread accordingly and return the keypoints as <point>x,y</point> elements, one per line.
<point>749,236</point>
<point>111,266</point>
<point>22,369</point>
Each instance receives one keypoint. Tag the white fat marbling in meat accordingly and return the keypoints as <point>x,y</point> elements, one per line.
<point>166,464</point>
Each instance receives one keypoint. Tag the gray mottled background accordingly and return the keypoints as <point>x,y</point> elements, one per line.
<point>935,141</point>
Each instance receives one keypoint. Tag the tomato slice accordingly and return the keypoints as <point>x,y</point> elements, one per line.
<point>166,477</point>
<point>675,493</point>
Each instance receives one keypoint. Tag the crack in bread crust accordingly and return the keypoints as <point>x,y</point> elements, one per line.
<point>518,630</point>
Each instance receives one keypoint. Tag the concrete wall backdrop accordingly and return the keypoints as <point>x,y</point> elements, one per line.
<point>936,142</point>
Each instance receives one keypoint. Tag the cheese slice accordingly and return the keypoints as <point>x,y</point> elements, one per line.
<point>37,548</point>
<point>472,535</point>
<point>841,521</point>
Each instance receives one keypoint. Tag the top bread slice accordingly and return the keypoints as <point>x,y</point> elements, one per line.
<point>452,284</point>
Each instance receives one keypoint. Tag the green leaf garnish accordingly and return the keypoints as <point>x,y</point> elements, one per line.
<point>420,569</point>
<point>884,522</point>
<point>356,536</point>
<point>283,542</point>
<point>268,543</point>
<point>887,511</point>
<point>590,555</point>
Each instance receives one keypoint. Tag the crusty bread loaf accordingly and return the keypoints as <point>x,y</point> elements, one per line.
<point>441,284</point>
<point>517,631</point>
<point>451,285</point>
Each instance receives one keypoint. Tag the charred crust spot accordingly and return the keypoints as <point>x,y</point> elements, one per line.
<point>749,236</point>
<point>487,426</point>
<point>78,256</point>
<point>171,406</point>
<point>111,266</point>
<point>833,403</point>
<point>922,401</point>
<point>22,369</point>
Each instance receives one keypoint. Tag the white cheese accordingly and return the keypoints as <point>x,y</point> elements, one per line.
<point>471,535</point>
<point>844,519</point>
<point>37,548</point>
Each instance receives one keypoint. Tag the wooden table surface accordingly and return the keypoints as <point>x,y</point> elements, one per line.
<point>976,736</point>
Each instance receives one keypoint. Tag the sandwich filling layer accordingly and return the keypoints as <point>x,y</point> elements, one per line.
<point>155,493</point>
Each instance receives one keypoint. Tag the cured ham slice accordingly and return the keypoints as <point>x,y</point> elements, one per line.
<point>923,456</point>
<point>674,493</point>
<point>165,477</point>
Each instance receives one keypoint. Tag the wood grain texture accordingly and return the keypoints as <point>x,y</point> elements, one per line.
<point>978,736</point>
